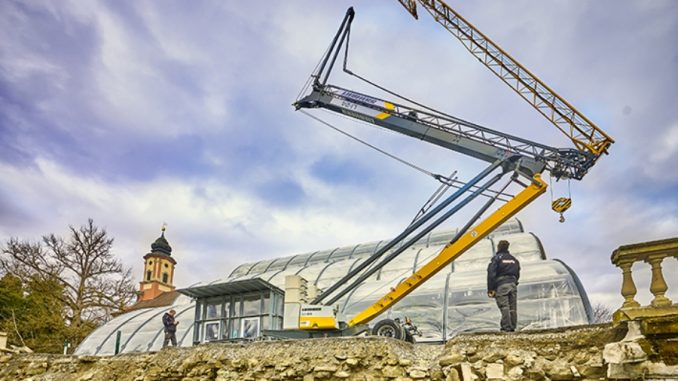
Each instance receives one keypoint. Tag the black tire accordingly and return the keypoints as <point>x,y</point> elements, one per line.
<point>389,328</point>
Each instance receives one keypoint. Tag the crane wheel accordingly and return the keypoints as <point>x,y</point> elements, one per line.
<point>389,328</point>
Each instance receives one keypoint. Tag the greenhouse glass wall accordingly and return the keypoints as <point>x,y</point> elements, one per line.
<point>453,301</point>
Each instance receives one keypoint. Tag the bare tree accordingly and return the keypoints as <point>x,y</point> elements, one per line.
<point>601,313</point>
<point>95,282</point>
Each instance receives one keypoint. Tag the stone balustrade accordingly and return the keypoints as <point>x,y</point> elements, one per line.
<point>652,253</point>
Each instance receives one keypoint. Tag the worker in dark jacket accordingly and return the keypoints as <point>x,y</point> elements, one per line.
<point>503,273</point>
<point>170,328</point>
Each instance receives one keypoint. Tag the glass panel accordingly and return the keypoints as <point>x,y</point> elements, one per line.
<point>524,246</point>
<point>425,307</point>
<point>103,339</point>
<point>311,272</point>
<point>198,310</point>
<point>532,314</point>
<point>363,250</point>
<point>476,258</point>
<point>320,257</point>
<point>260,267</point>
<point>212,331</point>
<point>235,328</point>
<point>237,303</point>
<point>225,330</point>
<point>298,261</point>
<point>265,275</point>
<point>227,309</point>
<point>185,340</point>
<point>366,294</point>
<point>212,311</point>
<point>241,270</point>
<point>278,264</point>
<point>198,331</point>
<point>250,328</point>
<point>401,266</point>
<point>551,313</point>
<point>511,226</point>
<point>251,305</point>
<point>267,303</point>
<point>333,273</point>
<point>278,279</point>
<point>280,306</point>
<point>342,253</point>
<point>438,238</point>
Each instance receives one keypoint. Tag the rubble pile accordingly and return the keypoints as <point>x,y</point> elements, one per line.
<point>567,354</point>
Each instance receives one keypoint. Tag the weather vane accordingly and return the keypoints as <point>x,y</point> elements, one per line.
<point>164,227</point>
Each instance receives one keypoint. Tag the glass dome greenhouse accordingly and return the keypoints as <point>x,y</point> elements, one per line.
<point>453,301</point>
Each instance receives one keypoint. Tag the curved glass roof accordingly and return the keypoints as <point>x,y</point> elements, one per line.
<point>453,301</point>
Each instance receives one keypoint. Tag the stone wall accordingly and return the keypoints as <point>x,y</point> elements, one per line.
<point>567,354</point>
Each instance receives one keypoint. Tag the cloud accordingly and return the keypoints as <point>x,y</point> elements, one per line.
<point>135,113</point>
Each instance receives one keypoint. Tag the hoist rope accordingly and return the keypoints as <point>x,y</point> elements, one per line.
<point>551,186</point>
<point>413,166</point>
<point>382,88</point>
<point>569,189</point>
<point>448,180</point>
<point>312,76</point>
<point>435,197</point>
<point>453,182</point>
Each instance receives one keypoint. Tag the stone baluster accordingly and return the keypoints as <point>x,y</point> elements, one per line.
<point>628,289</point>
<point>652,253</point>
<point>658,286</point>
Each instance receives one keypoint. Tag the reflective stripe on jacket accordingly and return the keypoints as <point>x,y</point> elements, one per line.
<point>503,268</point>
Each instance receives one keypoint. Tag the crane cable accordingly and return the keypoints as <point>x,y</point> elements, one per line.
<point>561,204</point>
<point>445,180</point>
<point>391,92</point>
<point>440,178</point>
<point>308,82</point>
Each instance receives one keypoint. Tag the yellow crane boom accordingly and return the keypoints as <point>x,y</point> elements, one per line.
<point>453,250</point>
<point>585,135</point>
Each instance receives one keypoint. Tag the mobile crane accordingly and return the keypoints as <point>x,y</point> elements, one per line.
<point>520,160</point>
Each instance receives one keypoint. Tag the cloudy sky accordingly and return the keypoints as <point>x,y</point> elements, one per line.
<point>136,113</point>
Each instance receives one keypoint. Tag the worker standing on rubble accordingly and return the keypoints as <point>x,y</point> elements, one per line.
<point>170,328</point>
<point>503,273</point>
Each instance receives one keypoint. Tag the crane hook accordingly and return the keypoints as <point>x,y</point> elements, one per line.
<point>560,206</point>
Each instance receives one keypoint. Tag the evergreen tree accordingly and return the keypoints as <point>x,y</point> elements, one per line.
<point>11,304</point>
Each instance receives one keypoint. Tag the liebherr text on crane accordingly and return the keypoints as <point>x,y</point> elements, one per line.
<point>511,160</point>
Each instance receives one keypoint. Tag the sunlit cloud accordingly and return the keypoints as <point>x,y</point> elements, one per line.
<point>139,113</point>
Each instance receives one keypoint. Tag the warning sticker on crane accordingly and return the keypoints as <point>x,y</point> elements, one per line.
<point>352,104</point>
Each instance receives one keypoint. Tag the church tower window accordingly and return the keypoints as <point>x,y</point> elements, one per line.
<point>158,270</point>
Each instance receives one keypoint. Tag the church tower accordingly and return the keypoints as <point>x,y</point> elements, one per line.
<point>158,270</point>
